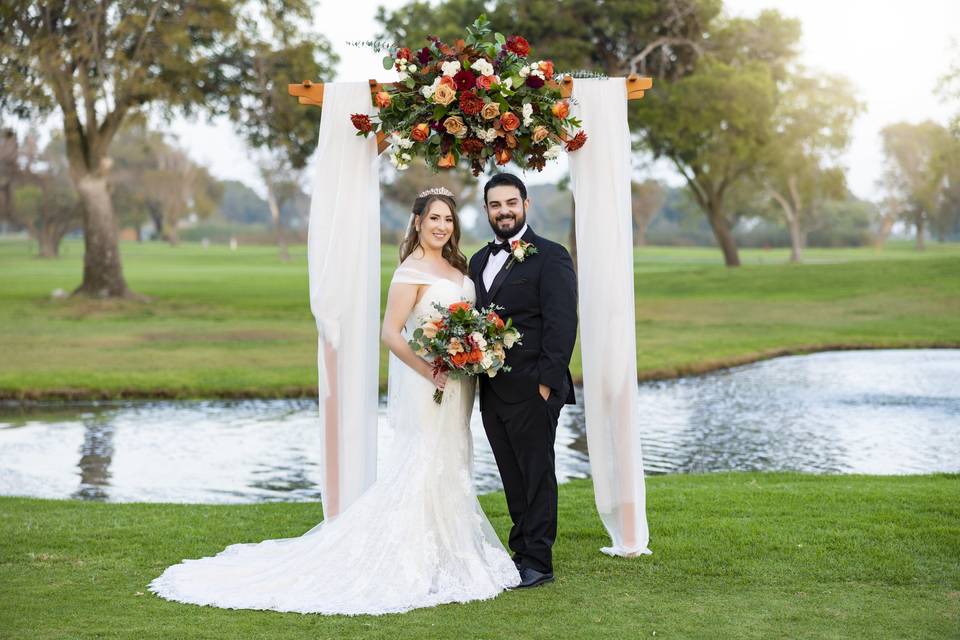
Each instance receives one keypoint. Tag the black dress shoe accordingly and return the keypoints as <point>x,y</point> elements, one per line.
<point>517,562</point>
<point>533,578</point>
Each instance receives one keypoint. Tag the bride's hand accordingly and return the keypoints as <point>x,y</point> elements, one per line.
<point>440,379</point>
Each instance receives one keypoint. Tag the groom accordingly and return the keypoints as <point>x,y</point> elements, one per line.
<point>538,291</point>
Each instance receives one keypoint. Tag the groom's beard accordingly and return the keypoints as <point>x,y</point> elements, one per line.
<point>507,224</point>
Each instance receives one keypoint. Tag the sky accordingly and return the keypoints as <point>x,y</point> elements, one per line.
<point>893,51</point>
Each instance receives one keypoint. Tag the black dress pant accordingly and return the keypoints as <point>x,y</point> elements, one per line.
<point>522,436</point>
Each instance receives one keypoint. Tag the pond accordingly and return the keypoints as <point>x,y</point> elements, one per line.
<point>877,412</point>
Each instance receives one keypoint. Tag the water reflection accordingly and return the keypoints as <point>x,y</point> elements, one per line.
<point>843,412</point>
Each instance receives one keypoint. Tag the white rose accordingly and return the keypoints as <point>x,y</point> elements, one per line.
<point>527,112</point>
<point>509,339</point>
<point>426,91</point>
<point>483,67</point>
<point>553,152</point>
<point>411,68</point>
<point>478,339</point>
<point>487,362</point>
<point>518,253</point>
<point>508,83</point>
<point>402,76</point>
<point>524,72</point>
<point>450,67</point>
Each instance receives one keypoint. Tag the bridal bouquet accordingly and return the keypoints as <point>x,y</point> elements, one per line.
<point>464,341</point>
<point>477,99</point>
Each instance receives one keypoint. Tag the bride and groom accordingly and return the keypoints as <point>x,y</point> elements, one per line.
<point>418,537</point>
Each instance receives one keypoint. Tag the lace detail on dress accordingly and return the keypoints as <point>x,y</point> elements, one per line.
<point>416,538</point>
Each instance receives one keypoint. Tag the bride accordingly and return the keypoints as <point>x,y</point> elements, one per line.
<point>417,537</point>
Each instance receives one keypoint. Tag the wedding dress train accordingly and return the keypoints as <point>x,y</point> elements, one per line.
<point>416,538</point>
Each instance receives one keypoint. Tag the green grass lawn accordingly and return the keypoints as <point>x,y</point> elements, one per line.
<point>736,555</point>
<point>225,323</point>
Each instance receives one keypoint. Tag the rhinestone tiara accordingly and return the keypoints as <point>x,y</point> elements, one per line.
<point>436,191</point>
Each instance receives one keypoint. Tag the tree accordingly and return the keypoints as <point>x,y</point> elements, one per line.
<point>36,191</point>
<point>152,177</point>
<point>812,126</point>
<point>647,201</point>
<point>916,170</point>
<point>100,61</point>
<point>716,124</point>
<point>283,132</point>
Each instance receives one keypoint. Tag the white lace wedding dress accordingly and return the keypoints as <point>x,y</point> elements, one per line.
<point>416,538</point>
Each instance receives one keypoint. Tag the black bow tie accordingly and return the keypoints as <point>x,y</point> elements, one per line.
<point>497,246</point>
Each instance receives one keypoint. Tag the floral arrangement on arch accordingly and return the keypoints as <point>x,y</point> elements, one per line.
<point>477,100</point>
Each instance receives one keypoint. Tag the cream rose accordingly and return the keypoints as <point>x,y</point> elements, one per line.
<point>539,133</point>
<point>444,95</point>
<point>490,110</point>
<point>454,126</point>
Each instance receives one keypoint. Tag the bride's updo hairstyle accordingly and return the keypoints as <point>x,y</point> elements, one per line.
<point>451,250</point>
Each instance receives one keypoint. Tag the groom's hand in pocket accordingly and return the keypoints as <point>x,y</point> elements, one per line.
<point>544,391</point>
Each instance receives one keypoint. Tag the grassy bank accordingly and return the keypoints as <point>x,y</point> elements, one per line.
<point>229,324</point>
<point>737,555</point>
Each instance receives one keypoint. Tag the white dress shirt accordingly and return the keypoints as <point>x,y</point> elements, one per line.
<point>495,263</point>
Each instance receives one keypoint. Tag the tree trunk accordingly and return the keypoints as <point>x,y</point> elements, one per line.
<point>102,272</point>
<point>919,221</point>
<point>790,212</point>
<point>275,216</point>
<point>721,231</point>
<point>886,225</point>
<point>49,242</point>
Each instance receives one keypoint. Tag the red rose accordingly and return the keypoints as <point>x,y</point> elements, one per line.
<point>420,132</point>
<point>534,82</point>
<point>470,103</point>
<point>518,45</point>
<point>577,141</point>
<point>464,79</point>
<point>362,122</point>
<point>509,121</point>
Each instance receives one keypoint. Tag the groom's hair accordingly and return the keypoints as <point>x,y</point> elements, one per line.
<point>504,180</point>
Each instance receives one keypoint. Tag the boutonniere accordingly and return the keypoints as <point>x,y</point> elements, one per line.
<point>519,250</point>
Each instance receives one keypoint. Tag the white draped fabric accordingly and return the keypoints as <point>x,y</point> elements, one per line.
<point>343,255</point>
<point>600,175</point>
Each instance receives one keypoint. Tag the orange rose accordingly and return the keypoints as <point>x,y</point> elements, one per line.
<point>495,319</point>
<point>444,95</point>
<point>561,109</point>
<point>460,359</point>
<point>547,67</point>
<point>490,110</point>
<point>447,161</point>
<point>382,99</point>
<point>511,140</point>
<point>509,121</point>
<point>420,132</point>
<point>448,81</point>
<point>503,156</point>
<point>476,356</point>
<point>457,306</point>
<point>539,133</point>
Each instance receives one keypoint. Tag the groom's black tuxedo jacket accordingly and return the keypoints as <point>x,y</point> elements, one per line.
<point>540,296</point>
